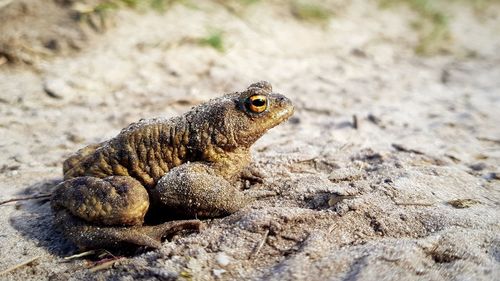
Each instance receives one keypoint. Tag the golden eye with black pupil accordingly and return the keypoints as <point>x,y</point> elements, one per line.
<point>256,103</point>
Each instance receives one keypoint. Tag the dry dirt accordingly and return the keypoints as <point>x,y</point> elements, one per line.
<point>365,173</point>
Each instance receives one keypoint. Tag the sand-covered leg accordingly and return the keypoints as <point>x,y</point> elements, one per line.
<point>115,200</point>
<point>87,236</point>
<point>195,189</point>
<point>109,213</point>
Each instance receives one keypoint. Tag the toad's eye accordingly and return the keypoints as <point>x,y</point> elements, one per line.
<point>256,103</point>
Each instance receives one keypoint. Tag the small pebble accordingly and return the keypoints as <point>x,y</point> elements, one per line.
<point>222,259</point>
<point>462,203</point>
<point>478,166</point>
<point>218,272</point>
<point>492,176</point>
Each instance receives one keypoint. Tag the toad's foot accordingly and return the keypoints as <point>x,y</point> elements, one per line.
<point>253,175</point>
<point>195,189</point>
<point>88,236</point>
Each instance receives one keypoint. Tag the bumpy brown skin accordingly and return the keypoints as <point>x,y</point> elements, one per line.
<point>184,166</point>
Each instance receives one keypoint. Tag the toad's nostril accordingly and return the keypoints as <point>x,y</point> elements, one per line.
<point>284,100</point>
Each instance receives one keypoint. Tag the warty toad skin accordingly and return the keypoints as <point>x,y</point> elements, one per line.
<point>186,166</point>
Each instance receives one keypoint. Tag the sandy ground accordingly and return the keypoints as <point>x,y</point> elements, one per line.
<point>364,200</point>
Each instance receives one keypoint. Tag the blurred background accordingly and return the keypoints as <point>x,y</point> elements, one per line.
<point>396,103</point>
<point>32,30</point>
<point>397,106</point>
<point>128,59</point>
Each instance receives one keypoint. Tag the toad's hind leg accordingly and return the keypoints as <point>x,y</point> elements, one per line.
<point>115,200</point>
<point>109,212</point>
<point>196,189</point>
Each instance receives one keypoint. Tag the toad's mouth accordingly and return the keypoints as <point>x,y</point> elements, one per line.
<point>286,113</point>
<point>282,107</point>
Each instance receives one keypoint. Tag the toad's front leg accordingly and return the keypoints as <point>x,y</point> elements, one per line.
<point>109,213</point>
<point>196,190</point>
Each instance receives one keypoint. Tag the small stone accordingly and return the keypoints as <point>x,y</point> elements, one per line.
<point>222,259</point>
<point>478,166</point>
<point>462,203</point>
<point>218,272</point>
<point>57,89</point>
<point>492,176</point>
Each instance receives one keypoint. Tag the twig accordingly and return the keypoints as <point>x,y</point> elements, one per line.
<point>19,265</point>
<point>414,204</point>
<point>261,243</point>
<point>355,121</point>
<point>79,255</point>
<point>331,228</point>
<point>35,50</point>
<point>390,259</point>
<point>290,238</point>
<point>106,252</point>
<point>105,265</point>
<point>453,158</point>
<point>401,148</point>
<point>25,198</point>
<point>307,160</point>
<point>489,140</point>
<point>345,146</point>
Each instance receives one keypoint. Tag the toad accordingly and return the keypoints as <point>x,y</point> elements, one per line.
<point>183,167</point>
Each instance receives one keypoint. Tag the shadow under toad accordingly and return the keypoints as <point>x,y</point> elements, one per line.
<point>34,220</point>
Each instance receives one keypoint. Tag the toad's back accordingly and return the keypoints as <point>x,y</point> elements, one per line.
<point>145,150</point>
<point>218,132</point>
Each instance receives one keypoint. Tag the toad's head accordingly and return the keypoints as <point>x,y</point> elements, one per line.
<point>239,119</point>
